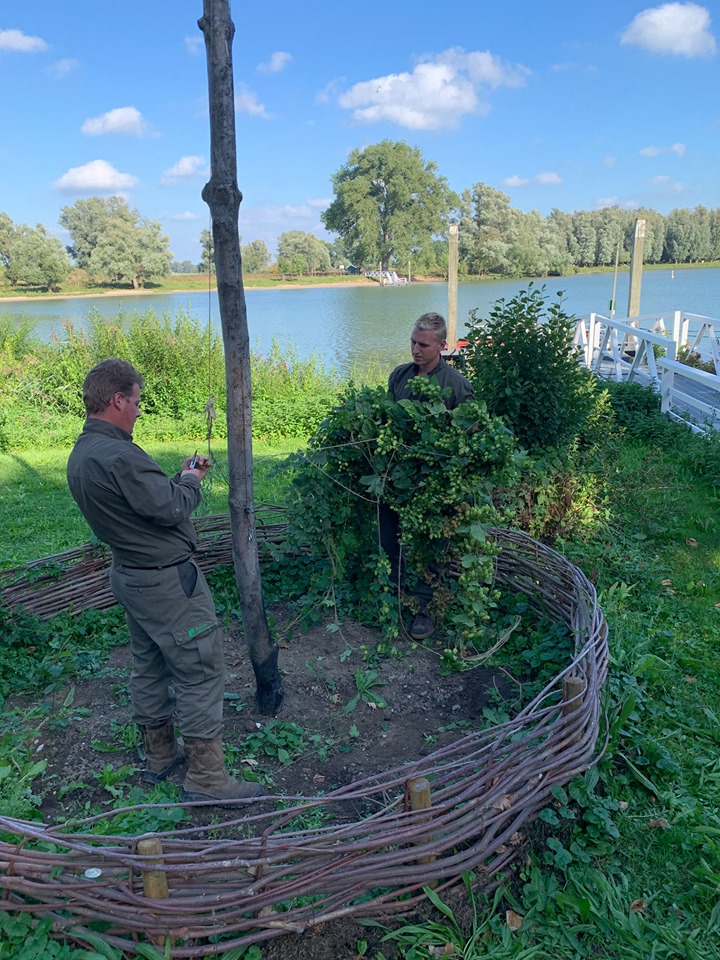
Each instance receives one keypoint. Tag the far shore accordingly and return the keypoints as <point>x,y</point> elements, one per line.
<point>352,281</point>
<point>145,292</point>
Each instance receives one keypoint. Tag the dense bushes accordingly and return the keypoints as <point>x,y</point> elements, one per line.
<point>434,468</point>
<point>183,367</point>
<point>522,365</point>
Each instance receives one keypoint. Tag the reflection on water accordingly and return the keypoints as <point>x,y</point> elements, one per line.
<point>352,327</point>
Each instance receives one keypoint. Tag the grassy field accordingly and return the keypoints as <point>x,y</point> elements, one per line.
<point>41,519</point>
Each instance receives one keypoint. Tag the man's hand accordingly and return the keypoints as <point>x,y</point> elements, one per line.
<point>201,465</point>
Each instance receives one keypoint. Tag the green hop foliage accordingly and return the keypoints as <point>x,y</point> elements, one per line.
<point>436,468</point>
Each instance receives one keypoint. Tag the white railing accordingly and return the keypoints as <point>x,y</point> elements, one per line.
<point>706,339</point>
<point>699,409</point>
<point>645,349</point>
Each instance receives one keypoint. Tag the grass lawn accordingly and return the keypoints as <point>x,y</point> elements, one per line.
<point>40,517</point>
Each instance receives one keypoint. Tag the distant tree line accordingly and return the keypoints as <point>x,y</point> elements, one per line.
<point>110,243</point>
<point>391,211</point>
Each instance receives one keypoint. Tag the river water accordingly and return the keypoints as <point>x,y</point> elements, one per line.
<point>351,327</point>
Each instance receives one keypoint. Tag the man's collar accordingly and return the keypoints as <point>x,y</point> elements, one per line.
<point>99,425</point>
<point>440,362</point>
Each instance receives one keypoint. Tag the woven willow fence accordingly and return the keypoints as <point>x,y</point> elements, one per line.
<point>260,874</point>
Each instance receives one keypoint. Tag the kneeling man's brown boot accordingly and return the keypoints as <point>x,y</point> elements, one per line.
<point>207,778</point>
<point>163,753</point>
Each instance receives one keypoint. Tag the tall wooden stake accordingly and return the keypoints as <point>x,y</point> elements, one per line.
<point>636,266</point>
<point>452,287</point>
<point>223,198</point>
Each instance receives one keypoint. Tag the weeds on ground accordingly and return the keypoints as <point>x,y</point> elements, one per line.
<point>625,862</point>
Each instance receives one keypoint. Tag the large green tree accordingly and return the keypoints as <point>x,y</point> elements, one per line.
<point>35,259</point>
<point>388,202</point>
<point>302,253</point>
<point>6,232</point>
<point>88,220</point>
<point>207,257</point>
<point>133,254</point>
<point>115,243</point>
<point>255,256</point>
<point>488,228</point>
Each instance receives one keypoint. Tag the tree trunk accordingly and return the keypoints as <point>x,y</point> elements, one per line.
<point>223,197</point>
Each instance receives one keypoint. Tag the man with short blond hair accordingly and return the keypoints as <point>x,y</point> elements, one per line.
<point>427,342</point>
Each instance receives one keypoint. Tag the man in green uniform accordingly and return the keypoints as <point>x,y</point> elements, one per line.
<point>427,341</point>
<point>144,516</point>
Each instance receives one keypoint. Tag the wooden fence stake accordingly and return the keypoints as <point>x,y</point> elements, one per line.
<point>155,885</point>
<point>420,799</point>
<point>573,688</point>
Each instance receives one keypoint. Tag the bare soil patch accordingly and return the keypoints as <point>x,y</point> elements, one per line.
<point>410,710</point>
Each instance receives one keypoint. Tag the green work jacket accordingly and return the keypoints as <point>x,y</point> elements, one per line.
<point>129,502</point>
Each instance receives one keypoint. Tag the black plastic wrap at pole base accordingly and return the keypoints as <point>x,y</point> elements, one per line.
<point>269,693</point>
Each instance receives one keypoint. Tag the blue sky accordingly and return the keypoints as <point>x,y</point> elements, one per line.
<point>559,104</point>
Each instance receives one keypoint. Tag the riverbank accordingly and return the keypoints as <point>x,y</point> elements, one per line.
<point>184,286</point>
<point>198,283</point>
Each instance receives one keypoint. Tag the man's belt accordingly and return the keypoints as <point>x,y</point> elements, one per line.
<point>162,566</point>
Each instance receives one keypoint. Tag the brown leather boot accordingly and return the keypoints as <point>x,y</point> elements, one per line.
<point>207,778</point>
<point>162,750</point>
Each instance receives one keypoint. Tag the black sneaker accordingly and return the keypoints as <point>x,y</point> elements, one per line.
<point>422,626</point>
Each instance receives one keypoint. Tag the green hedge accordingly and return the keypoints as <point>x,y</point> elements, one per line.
<point>183,366</point>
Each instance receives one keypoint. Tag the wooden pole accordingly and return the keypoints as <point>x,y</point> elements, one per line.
<point>155,885</point>
<point>420,799</point>
<point>636,266</point>
<point>223,198</point>
<point>614,287</point>
<point>573,689</point>
<point>452,288</point>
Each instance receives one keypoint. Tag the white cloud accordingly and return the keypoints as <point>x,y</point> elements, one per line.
<point>579,67</point>
<point>184,169</point>
<point>616,202</point>
<point>544,179</point>
<point>194,45</point>
<point>610,161</point>
<point>123,120</point>
<point>678,148</point>
<point>61,68</point>
<point>246,102</point>
<point>267,223</point>
<point>276,63</point>
<point>331,91</point>
<point>187,215</point>
<point>666,184</point>
<point>15,41</point>
<point>98,176</point>
<point>438,92</point>
<point>682,29</point>
<point>548,179</point>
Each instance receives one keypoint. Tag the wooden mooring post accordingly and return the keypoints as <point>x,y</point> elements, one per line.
<point>452,288</point>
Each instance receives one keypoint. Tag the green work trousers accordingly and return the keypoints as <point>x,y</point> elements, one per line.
<point>176,647</point>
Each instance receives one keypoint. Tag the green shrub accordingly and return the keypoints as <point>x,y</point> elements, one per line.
<point>434,467</point>
<point>183,367</point>
<point>637,410</point>
<point>16,337</point>
<point>522,364</point>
